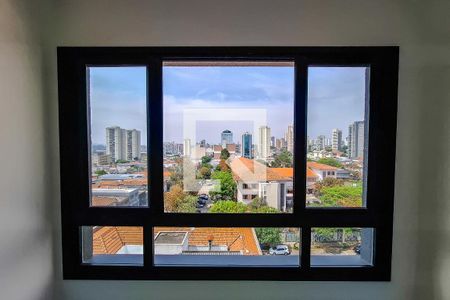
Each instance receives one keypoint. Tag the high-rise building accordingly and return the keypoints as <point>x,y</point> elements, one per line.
<point>187,147</point>
<point>290,139</point>
<point>356,140</point>
<point>226,137</point>
<point>283,143</point>
<point>321,142</point>
<point>272,141</point>
<point>133,145</point>
<point>114,143</point>
<point>336,144</point>
<point>122,144</point>
<point>247,146</point>
<point>264,142</point>
<point>278,144</point>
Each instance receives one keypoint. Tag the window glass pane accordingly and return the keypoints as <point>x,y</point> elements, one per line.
<point>118,133</point>
<point>228,137</point>
<point>213,246</point>
<point>341,246</point>
<point>112,245</point>
<point>337,136</point>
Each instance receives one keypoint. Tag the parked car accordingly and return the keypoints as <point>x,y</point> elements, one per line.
<point>279,250</point>
<point>357,249</point>
<point>201,201</point>
<point>203,197</point>
<point>199,205</point>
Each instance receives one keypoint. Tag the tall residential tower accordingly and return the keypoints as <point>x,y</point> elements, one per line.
<point>247,146</point>
<point>264,142</point>
<point>123,144</point>
<point>226,137</point>
<point>336,140</point>
<point>356,140</point>
<point>290,138</point>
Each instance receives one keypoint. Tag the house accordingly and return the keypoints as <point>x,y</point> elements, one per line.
<point>206,240</point>
<point>273,185</point>
<point>120,196</point>
<point>255,179</point>
<point>217,150</point>
<point>323,171</point>
<point>117,240</point>
<point>177,240</point>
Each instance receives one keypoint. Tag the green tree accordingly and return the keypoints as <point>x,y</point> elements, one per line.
<point>176,200</point>
<point>259,206</point>
<point>227,188</point>
<point>343,196</point>
<point>330,162</point>
<point>224,154</point>
<point>222,166</point>
<point>282,160</point>
<point>256,203</point>
<point>101,172</point>
<point>187,205</point>
<point>176,173</point>
<point>328,182</point>
<point>268,236</point>
<point>266,210</point>
<point>183,174</point>
<point>204,173</point>
<point>228,206</point>
<point>325,233</point>
<point>206,160</point>
<point>121,161</point>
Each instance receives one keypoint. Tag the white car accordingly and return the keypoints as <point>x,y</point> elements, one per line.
<point>279,250</point>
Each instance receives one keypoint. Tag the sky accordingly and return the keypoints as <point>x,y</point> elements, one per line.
<point>117,98</point>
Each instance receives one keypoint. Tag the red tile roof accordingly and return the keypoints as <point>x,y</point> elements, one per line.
<point>103,201</point>
<point>231,147</point>
<point>250,170</point>
<point>109,240</point>
<point>319,166</point>
<point>244,169</point>
<point>289,172</point>
<point>237,238</point>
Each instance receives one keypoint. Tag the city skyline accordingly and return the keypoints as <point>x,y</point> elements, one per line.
<point>329,90</point>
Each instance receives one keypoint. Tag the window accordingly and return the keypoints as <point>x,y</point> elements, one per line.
<point>258,163</point>
<point>338,99</point>
<point>224,119</point>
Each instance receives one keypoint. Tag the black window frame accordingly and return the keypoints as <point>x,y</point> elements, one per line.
<point>75,181</point>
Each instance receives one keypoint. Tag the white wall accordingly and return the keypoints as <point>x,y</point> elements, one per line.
<point>421,254</point>
<point>25,216</point>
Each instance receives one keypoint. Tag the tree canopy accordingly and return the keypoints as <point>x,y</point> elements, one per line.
<point>224,154</point>
<point>176,200</point>
<point>223,166</point>
<point>342,195</point>
<point>282,160</point>
<point>101,172</point>
<point>227,188</point>
<point>330,162</point>
<point>206,160</point>
<point>204,173</point>
<point>269,236</point>
<point>228,206</point>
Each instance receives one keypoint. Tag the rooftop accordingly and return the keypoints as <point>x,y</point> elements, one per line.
<point>109,240</point>
<point>170,237</point>
<point>248,170</point>
<point>319,166</point>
